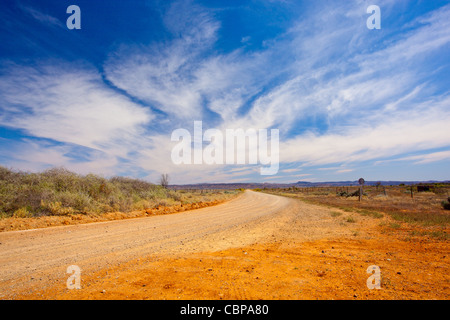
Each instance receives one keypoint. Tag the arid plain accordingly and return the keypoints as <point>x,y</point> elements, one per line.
<point>254,246</point>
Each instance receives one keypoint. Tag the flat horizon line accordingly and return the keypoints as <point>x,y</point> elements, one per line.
<point>317,182</point>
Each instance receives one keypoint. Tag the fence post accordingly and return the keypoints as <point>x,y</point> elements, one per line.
<point>361,182</point>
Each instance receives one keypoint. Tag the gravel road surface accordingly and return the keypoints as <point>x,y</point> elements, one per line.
<point>39,257</point>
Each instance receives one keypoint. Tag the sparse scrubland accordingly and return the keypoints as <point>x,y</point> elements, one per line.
<point>426,209</point>
<point>257,246</point>
<point>58,192</point>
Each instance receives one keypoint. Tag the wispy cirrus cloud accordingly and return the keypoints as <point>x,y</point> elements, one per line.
<point>41,17</point>
<point>160,74</point>
<point>64,103</point>
<point>184,76</point>
<point>39,154</point>
<point>73,105</point>
<point>422,129</point>
<point>339,93</point>
<point>421,159</point>
<point>377,106</point>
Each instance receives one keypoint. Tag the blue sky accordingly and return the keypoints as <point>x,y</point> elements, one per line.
<point>349,102</point>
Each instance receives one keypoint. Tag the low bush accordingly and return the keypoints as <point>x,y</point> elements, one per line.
<point>446,204</point>
<point>350,194</point>
<point>58,191</point>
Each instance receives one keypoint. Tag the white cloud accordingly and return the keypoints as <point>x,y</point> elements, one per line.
<point>334,95</point>
<point>70,105</point>
<point>356,83</point>
<point>422,158</point>
<point>185,74</point>
<point>290,170</point>
<point>42,17</point>
<point>35,155</point>
<point>161,74</point>
<point>423,127</point>
<point>345,170</point>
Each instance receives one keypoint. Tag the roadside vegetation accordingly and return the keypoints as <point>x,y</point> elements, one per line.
<point>405,205</point>
<point>59,192</point>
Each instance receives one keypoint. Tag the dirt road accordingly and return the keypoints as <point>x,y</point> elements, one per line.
<point>256,246</point>
<point>39,257</point>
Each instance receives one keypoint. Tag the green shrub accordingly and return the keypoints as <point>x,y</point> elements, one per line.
<point>58,191</point>
<point>350,220</point>
<point>56,208</point>
<point>336,213</point>
<point>22,213</point>
<point>446,204</point>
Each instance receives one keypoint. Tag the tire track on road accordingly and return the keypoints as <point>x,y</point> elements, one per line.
<point>47,252</point>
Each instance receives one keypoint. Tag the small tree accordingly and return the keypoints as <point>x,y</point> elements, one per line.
<point>164,181</point>
<point>377,184</point>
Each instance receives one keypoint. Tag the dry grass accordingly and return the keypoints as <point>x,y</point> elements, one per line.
<point>59,192</point>
<point>424,208</point>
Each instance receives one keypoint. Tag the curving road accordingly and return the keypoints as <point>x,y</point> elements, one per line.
<point>34,258</point>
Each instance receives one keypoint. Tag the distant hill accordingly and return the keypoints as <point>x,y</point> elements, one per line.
<point>299,184</point>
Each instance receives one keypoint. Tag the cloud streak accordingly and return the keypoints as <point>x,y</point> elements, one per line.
<point>340,94</point>
<point>42,17</point>
<point>63,103</point>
